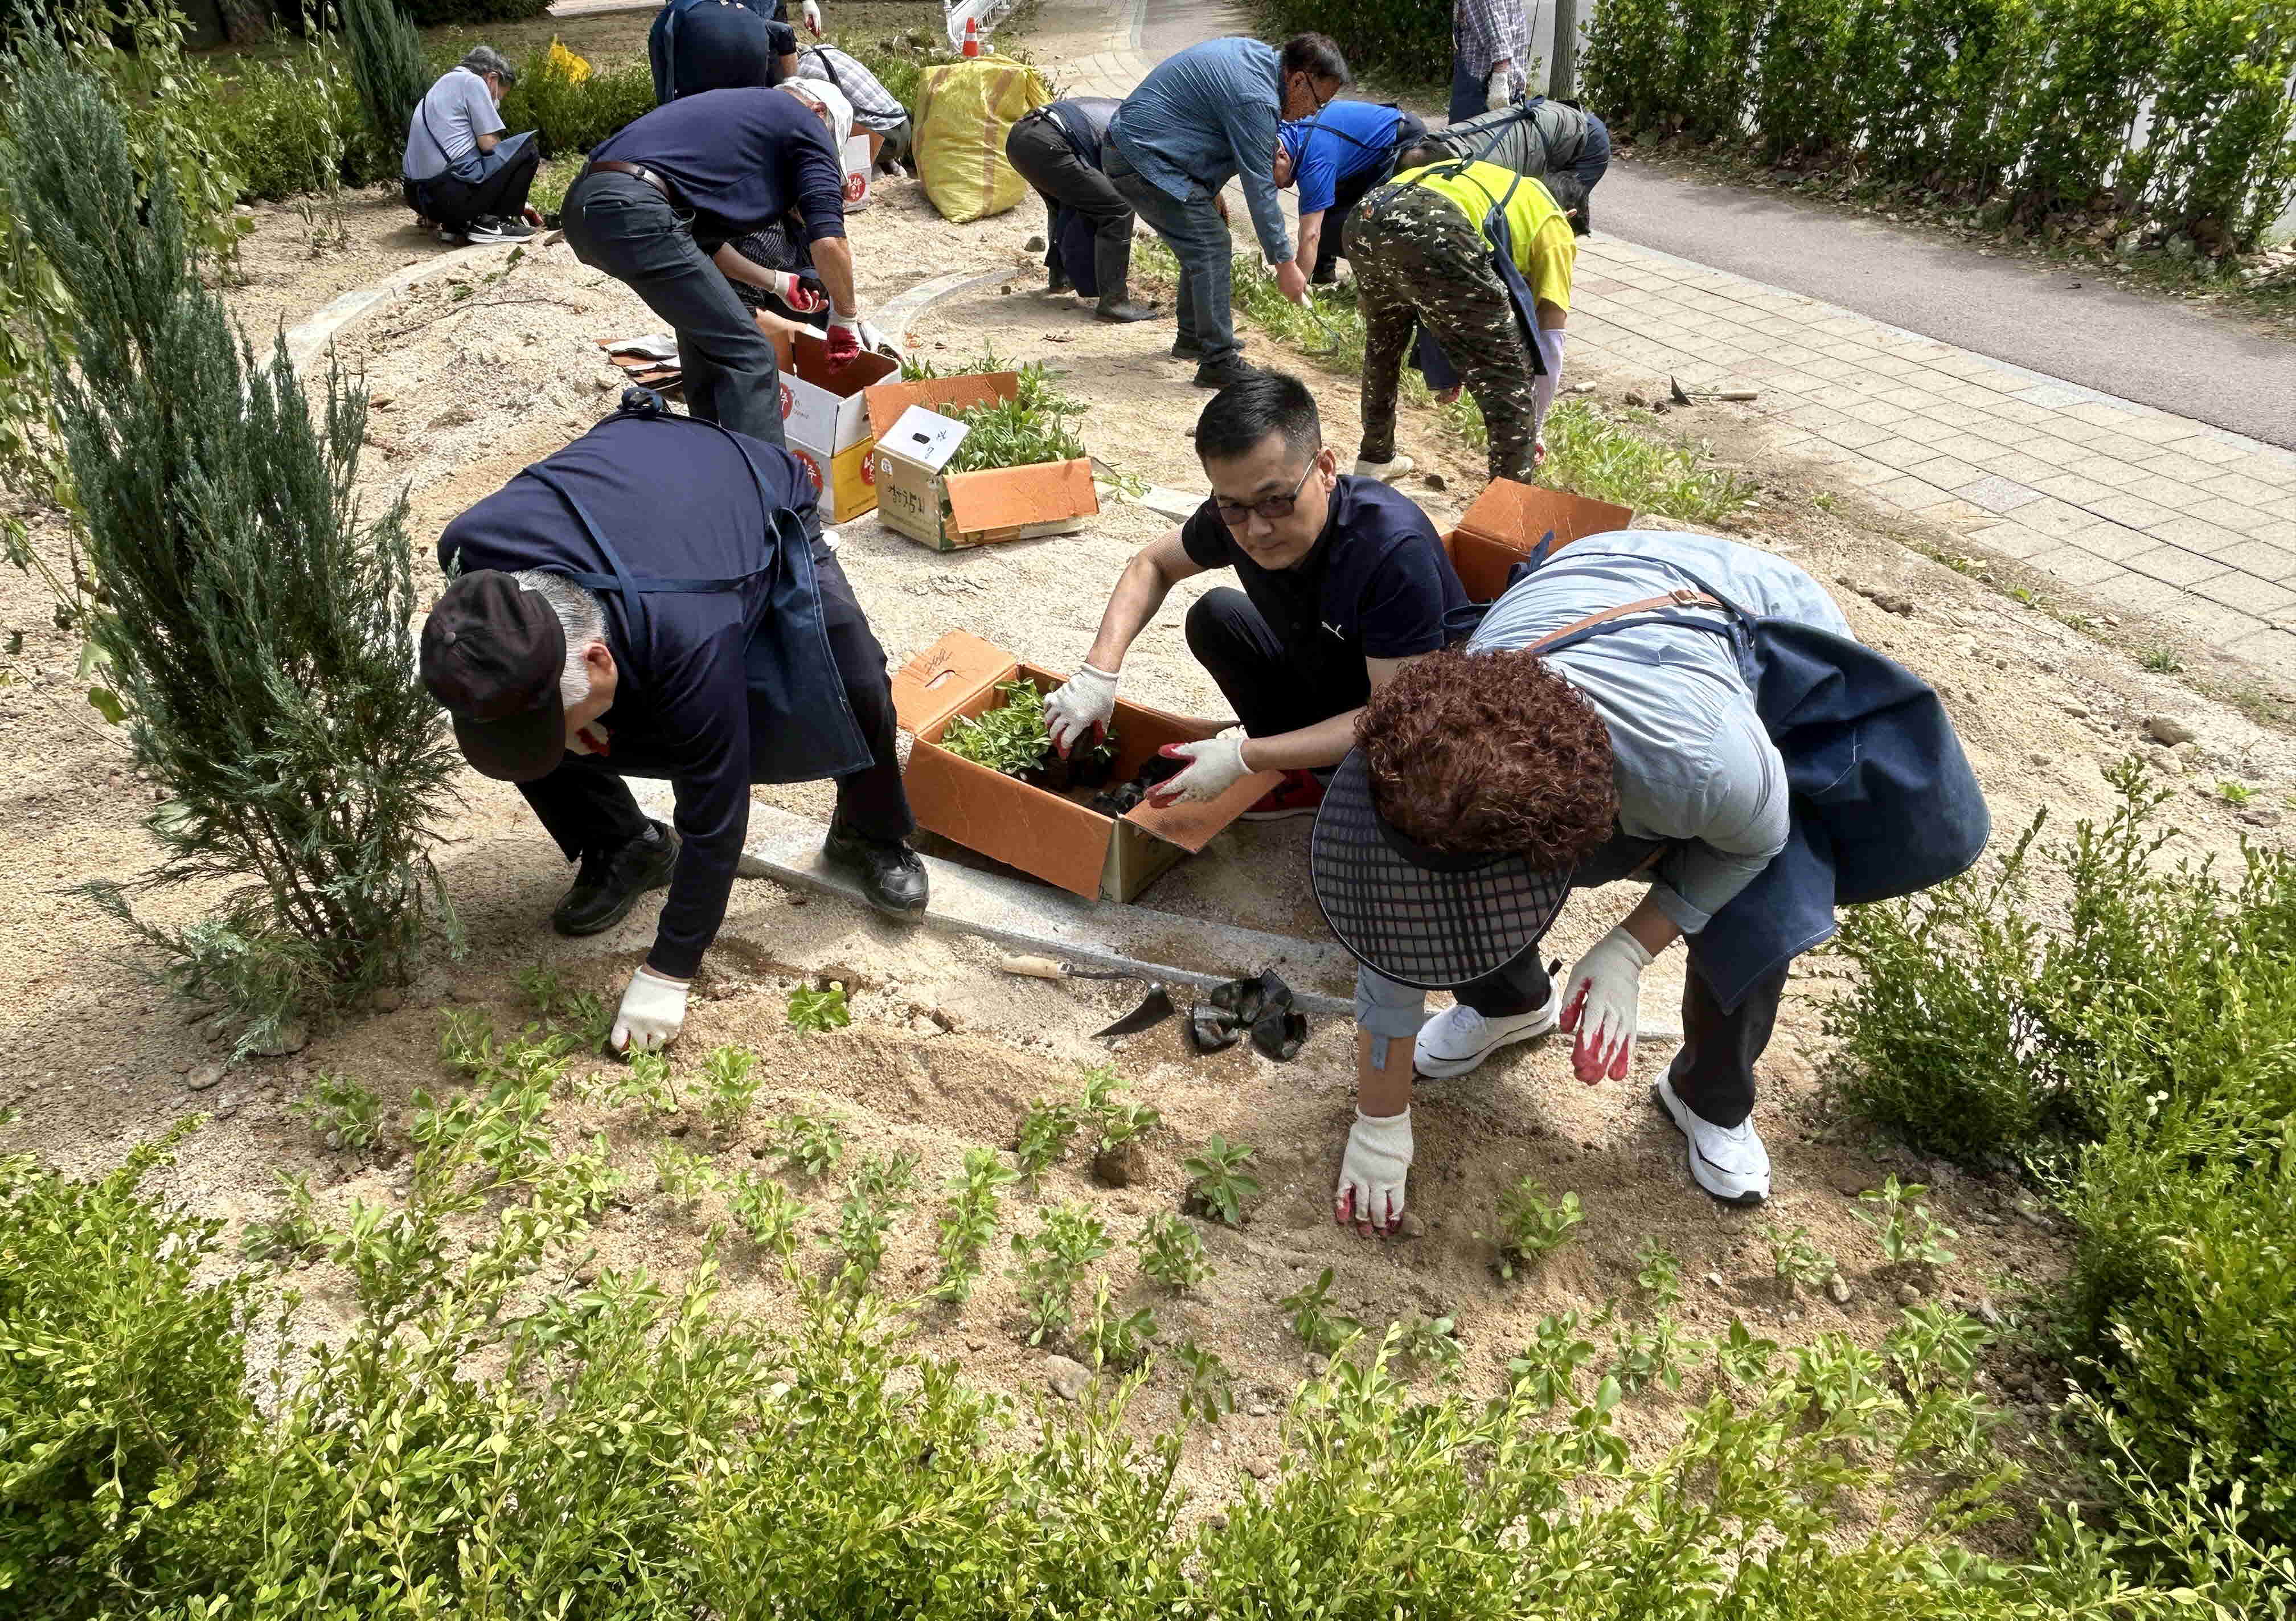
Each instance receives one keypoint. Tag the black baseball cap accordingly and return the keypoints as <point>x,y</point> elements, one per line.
<point>492,653</point>
<point>1433,919</point>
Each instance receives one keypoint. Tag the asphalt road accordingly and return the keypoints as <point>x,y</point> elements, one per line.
<point>2068,324</point>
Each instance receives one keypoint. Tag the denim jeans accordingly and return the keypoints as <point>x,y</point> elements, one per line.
<point>1468,97</point>
<point>1199,239</point>
<point>619,224</point>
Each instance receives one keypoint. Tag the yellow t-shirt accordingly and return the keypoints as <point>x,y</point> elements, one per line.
<point>1545,250</point>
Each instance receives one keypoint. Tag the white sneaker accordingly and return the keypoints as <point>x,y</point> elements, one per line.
<point>1386,472</point>
<point>1457,1039</point>
<point>1729,1162</point>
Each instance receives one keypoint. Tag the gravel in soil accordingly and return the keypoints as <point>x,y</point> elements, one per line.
<point>470,382</point>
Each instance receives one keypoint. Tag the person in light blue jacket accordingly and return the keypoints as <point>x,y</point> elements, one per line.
<point>1202,116</point>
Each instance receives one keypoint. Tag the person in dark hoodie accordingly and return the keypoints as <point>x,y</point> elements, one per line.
<point>656,600</point>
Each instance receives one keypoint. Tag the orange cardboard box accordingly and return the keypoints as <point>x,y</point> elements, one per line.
<point>950,511</point>
<point>1055,839</point>
<point>1506,524</point>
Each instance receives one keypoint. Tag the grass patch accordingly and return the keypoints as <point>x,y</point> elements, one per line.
<point>1589,452</point>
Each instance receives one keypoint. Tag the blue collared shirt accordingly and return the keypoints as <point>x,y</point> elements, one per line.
<point>1338,144</point>
<point>1203,115</point>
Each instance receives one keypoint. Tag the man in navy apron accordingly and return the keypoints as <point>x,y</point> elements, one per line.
<point>1676,708</point>
<point>655,600</point>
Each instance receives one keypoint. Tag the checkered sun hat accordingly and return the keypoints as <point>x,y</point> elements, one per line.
<point>1433,919</point>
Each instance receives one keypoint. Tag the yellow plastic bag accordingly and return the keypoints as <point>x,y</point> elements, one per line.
<point>964,111</point>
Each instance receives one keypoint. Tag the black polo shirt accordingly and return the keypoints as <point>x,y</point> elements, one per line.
<point>1377,582</point>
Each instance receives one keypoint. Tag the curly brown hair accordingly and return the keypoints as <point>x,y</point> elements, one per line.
<point>1474,751</point>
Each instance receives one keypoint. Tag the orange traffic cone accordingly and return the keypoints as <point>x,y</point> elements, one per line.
<point>972,37</point>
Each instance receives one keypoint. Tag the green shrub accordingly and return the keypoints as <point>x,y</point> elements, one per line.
<point>258,621</point>
<point>387,67</point>
<point>2130,1045</point>
<point>573,104</point>
<point>1397,41</point>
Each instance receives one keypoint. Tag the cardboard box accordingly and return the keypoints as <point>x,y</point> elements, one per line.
<point>826,422</point>
<point>1505,524</point>
<point>1052,838</point>
<point>859,182</point>
<point>948,512</point>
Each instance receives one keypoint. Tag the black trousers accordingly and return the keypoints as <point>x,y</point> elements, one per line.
<point>1042,154</point>
<point>1274,685</point>
<point>589,810</point>
<point>1714,1071</point>
<point>457,206</point>
<point>619,224</point>
<point>1332,245</point>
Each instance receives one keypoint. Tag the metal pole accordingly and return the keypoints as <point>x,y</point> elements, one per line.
<point>1563,77</point>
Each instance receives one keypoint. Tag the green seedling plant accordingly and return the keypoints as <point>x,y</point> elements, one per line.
<point>1033,426</point>
<point>1045,1132</point>
<point>1743,1356</point>
<point>767,1213</point>
<point>1795,1258</point>
<point>1547,1374</point>
<point>811,1011</point>
<point>1657,1350</point>
<point>968,1222</point>
<point>2235,793</point>
<point>1207,1389</point>
<point>588,1019</point>
<point>582,1183</point>
<point>540,986</point>
<point>729,1076</point>
<point>293,1234</point>
<point>2162,660</point>
<point>1531,1224</point>
<point>876,1196</point>
<point>346,1114</point>
<point>1116,1339</point>
<point>1903,1225</point>
<point>1218,1182</point>
<point>1052,1262</point>
<point>1010,737</point>
<point>1123,1123</point>
<point>646,1082</point>
<point>812,1143</point>
<point>466,1041</point>
<point>1430,1344</point>
<point>1321,1328</point>
<point>1658,1274</point>
<point>1172,1253</point>
<point>683,1176</point>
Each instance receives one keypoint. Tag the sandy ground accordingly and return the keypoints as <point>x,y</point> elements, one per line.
<point>472,381</point>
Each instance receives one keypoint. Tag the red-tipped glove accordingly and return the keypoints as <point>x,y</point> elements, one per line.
<point>844,340</point>
<point>791,291</point>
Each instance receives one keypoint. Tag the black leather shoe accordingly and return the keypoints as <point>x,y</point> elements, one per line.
<point>892,875</point>
<point>1195,351</point>
<point>611,882</point>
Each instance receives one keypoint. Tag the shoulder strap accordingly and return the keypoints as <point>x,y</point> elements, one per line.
<point>1677,600</point>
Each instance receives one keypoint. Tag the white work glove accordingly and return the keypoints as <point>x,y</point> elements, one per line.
<point>1372,1172</point>
<point>1601,1001</point>
<point>1084,704</point>
<point>811,10</point>
<point>843,339</point>
<point>1386,472</point>
<point>652,1012</point>
<point>1542,388</point>
<point>1214,766</point>
<point>1499,90</point>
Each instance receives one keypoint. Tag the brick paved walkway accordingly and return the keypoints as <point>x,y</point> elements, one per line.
<point>2151,513</point>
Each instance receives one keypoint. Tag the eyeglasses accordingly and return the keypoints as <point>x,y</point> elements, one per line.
<point>1322,102</point>
<point>1234,514</point>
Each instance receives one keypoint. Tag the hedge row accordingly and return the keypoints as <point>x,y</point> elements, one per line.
<point>2177,109</point>
<point>1394,40</point>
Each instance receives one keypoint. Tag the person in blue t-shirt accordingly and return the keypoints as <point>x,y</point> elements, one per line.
<point>1335,159</point>
<point>1345,582</point>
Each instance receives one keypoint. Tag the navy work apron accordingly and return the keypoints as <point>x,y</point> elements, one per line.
<point>791,672</point>
<point>1883,800</point>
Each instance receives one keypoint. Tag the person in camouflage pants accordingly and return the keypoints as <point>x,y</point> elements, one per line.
<point>1420,258</point>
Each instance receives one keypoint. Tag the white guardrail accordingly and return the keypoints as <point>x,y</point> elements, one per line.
<point>986,12</point>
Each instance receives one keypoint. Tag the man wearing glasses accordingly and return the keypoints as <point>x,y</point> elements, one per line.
<point>1203,115</point>
<point>1345,582</point>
